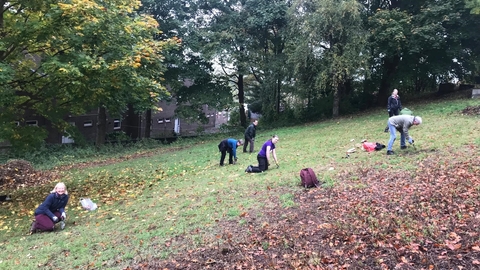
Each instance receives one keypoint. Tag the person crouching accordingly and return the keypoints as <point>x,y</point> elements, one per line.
<point>52,210</point>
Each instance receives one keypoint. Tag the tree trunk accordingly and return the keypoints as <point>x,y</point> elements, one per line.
<point>101,126</point>
<point>148,123</point>
<point>277,95</point>
<point>336,102</point>
<point>2,34</point>
<point>132,123</point>
<point>241,100</point>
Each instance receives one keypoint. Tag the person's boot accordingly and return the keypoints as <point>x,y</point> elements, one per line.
<point>390,152</point>
<point>403,147</point>
<point>33,227</point>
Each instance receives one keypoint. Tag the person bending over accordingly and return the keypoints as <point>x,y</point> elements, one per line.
<point>401,123</point>
<point>230,146</point>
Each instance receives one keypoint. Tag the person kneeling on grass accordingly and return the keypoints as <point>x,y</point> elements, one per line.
<point>264,157</point>
<point>401,123</point>
<point>51,211</point>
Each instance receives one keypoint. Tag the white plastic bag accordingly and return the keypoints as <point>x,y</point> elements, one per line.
<point>87,204</point>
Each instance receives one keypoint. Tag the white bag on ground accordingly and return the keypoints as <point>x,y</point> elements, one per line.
<point>87,204</point>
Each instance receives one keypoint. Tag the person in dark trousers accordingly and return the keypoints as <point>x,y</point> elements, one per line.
<point>51,211</point>
<point>265,156</point>
<point>394,105</point>
<point>230,146</point>
<point>250,136</point>
<point>401,123</point>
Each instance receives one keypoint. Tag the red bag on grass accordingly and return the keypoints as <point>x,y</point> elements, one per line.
<point>308,177</point>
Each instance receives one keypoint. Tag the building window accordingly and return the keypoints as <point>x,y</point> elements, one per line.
<point>117,124</point>
<point>160,120</point>
<point>88,123</point>
<point>167,120</point>
<point>32,123</point>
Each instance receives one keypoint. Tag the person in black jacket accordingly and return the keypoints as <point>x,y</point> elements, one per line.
<point>52,210</point>
<point>250,135</point>
<point>394,105</point>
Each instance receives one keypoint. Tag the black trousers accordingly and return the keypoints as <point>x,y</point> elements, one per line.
<point>262,165</point>
<point>223,148</point>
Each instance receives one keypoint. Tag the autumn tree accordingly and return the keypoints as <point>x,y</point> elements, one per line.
<point>60,58</point>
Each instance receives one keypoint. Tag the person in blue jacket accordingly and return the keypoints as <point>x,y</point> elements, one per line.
<point>230,146</point>
<point>52,210</point>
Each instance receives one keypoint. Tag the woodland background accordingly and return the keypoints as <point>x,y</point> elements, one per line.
<point>292,61</point>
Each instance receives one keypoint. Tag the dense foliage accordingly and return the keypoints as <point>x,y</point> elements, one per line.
<point>59,58</point>
<point>302,60</point>
<point>290,60</point>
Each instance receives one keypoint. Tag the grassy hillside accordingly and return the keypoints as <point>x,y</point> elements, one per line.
<point>177,197</point>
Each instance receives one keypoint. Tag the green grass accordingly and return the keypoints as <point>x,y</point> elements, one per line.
<point>181,191</point>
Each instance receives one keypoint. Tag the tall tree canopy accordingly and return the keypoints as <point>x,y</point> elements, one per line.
<point>332,36</point>
<point>67,57</point>
<point>190,76</point>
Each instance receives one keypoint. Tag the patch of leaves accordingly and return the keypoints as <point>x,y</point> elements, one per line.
<point>471,110</point>
<point>19,173</point>
<point>375,219</point>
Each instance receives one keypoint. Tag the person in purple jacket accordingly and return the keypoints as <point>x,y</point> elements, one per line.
<point>265,156</point>
<point>52,210</point>
<point>230,146</point>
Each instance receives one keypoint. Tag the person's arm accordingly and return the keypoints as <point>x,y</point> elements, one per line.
<point>268,154</point>
<point>274,153</point>
<point>44,208</point>
<point>249,132</point>
<point>234,152</point>
<point>388,103</point>
<point>405,131</point>
<point>62,209</point>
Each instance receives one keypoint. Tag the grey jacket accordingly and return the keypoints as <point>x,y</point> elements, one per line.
<point>402,123</point>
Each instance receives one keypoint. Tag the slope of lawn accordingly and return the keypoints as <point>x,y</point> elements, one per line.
<point>370,209</point>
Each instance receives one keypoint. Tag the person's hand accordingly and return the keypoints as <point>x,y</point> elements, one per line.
<point>64,216</point>
<point>388,110</point>
<point>55,219</point>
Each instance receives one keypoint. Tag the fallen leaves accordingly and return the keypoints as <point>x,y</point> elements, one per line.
<point>19,174</point>
<point>382,219</point>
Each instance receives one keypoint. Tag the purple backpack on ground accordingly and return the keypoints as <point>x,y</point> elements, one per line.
<point>308,177</point>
